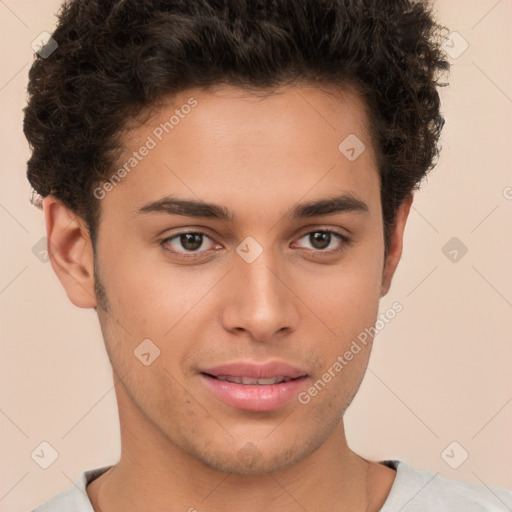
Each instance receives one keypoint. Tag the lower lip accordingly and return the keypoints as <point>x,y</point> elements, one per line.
<point>254,397</point>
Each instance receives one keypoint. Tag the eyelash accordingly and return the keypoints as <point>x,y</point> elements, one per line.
<point>196,254</point>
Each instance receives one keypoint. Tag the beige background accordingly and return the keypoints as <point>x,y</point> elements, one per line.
<point>440,371</point>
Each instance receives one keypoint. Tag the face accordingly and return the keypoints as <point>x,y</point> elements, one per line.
<point>247,298</point>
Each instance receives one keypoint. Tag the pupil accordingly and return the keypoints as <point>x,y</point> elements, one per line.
<point>323,238</point>
<point>187,241</point>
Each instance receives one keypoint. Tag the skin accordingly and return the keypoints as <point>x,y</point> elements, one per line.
<point>259,157</point>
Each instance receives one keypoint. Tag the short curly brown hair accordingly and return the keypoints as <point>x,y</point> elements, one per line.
<point>117,59</point>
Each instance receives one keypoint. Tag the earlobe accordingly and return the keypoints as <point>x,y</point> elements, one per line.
<point>70,251</point>
<point>396,244</point>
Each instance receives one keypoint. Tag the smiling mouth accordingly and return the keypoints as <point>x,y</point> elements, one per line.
<point>252,381</point>
<point>254,388</point>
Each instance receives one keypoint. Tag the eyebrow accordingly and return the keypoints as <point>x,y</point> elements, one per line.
<point>344,203</point>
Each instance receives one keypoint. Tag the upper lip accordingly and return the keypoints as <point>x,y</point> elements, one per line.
<point>256,370</point>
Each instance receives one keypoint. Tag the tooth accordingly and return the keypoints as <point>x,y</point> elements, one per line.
<point>249,380</point>
<point>271,380</point>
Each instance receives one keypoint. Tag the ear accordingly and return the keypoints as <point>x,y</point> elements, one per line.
<point>70,251</point>
<point>395,244</point>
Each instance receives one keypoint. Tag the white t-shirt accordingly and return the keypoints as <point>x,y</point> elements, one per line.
<point>412,491</point>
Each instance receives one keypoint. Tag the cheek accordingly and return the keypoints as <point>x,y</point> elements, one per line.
<point>148,293</point>
<point>347,295</point>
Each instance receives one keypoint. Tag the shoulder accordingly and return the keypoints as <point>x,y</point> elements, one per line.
<point>75,498</point>
<point>415,491</point>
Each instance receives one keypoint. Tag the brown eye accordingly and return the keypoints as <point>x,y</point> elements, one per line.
<point>320,239</point>
<point>325,241</point>
<point>191,241</point>
<point>187,242</point>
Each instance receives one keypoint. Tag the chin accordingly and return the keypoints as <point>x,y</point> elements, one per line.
<point>258,458</point>
<point>247,464</point>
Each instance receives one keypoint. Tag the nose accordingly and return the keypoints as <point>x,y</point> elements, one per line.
<point>260,301</point>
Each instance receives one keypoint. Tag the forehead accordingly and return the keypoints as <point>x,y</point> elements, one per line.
<point>226,116</point>
<point>295,141</point>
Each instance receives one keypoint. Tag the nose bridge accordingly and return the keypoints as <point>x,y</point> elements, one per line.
<point>261,282</point>
<point>259,301</point>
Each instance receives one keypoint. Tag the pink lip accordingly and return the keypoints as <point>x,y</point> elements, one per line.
<point>255,397</point>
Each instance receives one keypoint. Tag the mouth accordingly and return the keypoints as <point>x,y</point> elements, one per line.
<point>255,387</point>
